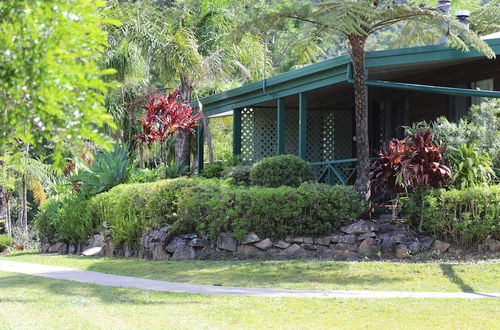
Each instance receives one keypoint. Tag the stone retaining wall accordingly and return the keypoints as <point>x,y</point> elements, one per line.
<point>358,239</point>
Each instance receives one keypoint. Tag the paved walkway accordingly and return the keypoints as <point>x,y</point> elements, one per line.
<point>83,276</point>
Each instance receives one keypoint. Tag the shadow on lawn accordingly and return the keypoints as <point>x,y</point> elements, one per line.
<point>449,272</point>
<point>264,274</point>
<point>83,291</point>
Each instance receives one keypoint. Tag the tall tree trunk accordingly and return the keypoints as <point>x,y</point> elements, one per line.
<point>357,50</point>
<point>4,209</point>
<point>22,220</point>
<point>183,137</point>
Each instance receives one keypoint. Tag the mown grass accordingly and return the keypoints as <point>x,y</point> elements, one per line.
<point>293,274</point>
<point>35,302</point>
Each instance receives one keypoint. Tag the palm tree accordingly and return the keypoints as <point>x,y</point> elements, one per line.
<point>186,43</point>
<point>355,21</point>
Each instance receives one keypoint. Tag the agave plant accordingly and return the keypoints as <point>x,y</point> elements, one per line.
<point>409,165</point>
<point>107,170</point>
<point>471,166</point>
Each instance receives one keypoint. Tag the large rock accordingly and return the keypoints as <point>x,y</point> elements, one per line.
<point>492,244</point>
<point>71,249</point>
<point>63,249</point>
<point>366,246</point>
<point>402,252</point>
<point>197,242</point>
<point>309,246</point>
<point>343,238</point>
<point>265,244</point>
<point>359,227</point>
<point>184,252</point>
<point>426,241</point>
<point>365,235</point>
<point>94,251</point>
<point>97,241</point>
<point>440,246</point>
<point>415,247</point>
<point>251,238</point>
<point>292,250</point>
<point>386,243</point>
<point>251,251</point>
<point>226,241</point>
<point>127,251</point>
<point>45,247</point>
<point>322,240</point>
<point>346,247</point>
<point>174,244</point>
<point>281,244</point>
<point>158,253</point>
<point>294,239</point>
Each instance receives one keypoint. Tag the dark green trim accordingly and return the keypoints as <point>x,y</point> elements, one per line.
<point>303,125</point>
<point>329,72</point>
<point>200,146</point>
<point>280,126</point>
<point>237,132</point>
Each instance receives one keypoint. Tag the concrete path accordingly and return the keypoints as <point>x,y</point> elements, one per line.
<point>83,276</point>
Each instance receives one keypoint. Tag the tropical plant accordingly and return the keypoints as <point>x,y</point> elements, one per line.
<point>186,43</point>
<point>50,95</point>
<point>481,126</point>
<point>470,166</point>
<point>409,166</point>
<point>109,168</point>
<point>355,21</point>
<point>175,170</point>
<point>143,175</point>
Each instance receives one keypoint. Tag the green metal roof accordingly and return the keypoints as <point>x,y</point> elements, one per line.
<point>329,72</point>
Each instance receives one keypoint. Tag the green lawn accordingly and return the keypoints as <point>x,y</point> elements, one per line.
<point>34,302</point>
<point>294,274</point>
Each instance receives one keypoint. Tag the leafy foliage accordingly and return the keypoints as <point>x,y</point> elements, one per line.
<point>5,242</point>
<point>471,167</point>
<point>109,168</point>
<point>143,175</point>
<point>409,166</point>
<point>284,170</point>
<point>310,209</point>
<point>466,216</point>
<point>238,175</point>
<point>175,170</point>
<point>217,169</point>
<point>480,127</point>
<point>48,92</point>
<point>164,116</point>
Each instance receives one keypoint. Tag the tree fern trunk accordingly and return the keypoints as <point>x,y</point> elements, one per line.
<point>357,50</point>
<point>183,137</point>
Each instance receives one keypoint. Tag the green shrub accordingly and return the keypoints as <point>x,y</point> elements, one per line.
<point>238,175</point>
<point>285,170</point>
<point>67,220</point>
<point>466,216</point>
<point>5,242</point>
<point>209,208</point>
<point>132,208</point>
<point>216,170</point>
<point>470,166</point>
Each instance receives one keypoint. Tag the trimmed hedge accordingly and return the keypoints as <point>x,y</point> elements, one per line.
<point>284,170</point>
<point>466,216</point>
<point>310,209</point>
<point>201,205</point>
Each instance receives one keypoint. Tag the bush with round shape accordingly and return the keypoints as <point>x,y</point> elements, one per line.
<point>284,170</point>
<point>5,242</point>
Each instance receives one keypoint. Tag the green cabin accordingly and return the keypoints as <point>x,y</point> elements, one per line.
<point>309,112</point>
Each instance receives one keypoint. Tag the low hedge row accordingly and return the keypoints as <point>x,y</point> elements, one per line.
<point>466,216</point>
<point>201,205</point>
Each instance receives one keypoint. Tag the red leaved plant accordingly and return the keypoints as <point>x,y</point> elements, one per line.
<point>164,116</point>
<point>409,165</point>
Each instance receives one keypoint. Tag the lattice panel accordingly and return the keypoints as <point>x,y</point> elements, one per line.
<point>265,133</point>
<point>247,135</point>
<point>343,135</point>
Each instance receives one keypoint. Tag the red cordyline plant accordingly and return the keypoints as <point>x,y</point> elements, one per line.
<point>409,165</point>
<point>164,116</point>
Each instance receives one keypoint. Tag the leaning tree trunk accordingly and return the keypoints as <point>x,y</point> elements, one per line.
<point>357,50</point>
<point>183,137</point>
